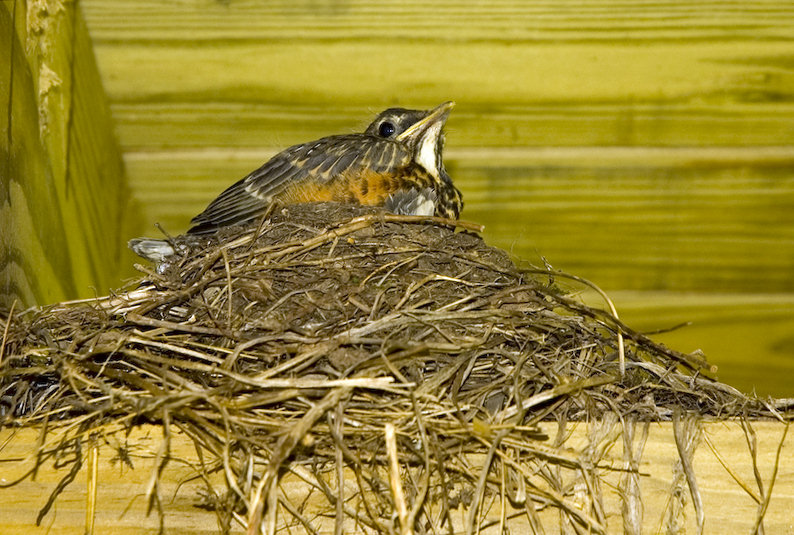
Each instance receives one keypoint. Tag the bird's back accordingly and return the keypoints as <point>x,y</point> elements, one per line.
<point>345,168</point>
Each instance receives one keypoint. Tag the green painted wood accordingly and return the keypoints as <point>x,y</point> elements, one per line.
<point>647,146</point>
<point>254,74</point>
<point>718,220</point>
<point>749,336</point>
<point>62,192</point>
<point>31,223</point>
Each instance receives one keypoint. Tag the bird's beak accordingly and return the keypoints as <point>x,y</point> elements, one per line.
<point>437,115</point>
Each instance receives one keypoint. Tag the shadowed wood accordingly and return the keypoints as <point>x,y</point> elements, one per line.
<point>62,195</point>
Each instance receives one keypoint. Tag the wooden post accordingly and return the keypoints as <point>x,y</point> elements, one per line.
<point>63,195</point>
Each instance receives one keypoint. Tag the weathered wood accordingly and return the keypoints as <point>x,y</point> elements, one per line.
<point>63,197</point>
<point>122,502</point>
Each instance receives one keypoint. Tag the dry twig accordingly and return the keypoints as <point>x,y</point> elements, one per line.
<point>285,349</point>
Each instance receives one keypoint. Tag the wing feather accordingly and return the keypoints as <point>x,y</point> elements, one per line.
<point>321,161</point>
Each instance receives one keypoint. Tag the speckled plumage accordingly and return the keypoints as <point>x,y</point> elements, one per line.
<point>369,168</point>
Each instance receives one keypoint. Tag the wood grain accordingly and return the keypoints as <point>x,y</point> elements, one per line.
<point>644,145</point>
<point>63,197</point>
<point>121,490</point>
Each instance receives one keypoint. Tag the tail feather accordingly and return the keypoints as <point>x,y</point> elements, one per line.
<point>156,251</point>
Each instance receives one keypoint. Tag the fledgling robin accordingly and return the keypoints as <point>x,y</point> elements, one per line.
<point>395,163</point>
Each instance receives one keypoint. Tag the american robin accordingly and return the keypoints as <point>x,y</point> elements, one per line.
<point>395,163</point>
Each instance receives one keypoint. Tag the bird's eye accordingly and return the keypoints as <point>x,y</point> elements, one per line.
<point>386,129</point>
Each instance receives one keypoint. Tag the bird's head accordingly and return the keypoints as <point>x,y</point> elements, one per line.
<point>419,130</point>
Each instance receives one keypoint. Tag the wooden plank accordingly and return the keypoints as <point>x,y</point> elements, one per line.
<point>641,219</point>
<point>63,192</point>
<point>747,336</point>
<point>693,222</point>
<point>524,73</point>
<point>122,503</point>
<point>188,121</point>
<point>515,20</point>
<point>643,145</point>
<point>32,236</point>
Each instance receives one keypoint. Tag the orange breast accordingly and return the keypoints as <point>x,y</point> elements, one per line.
<point>365,187</point>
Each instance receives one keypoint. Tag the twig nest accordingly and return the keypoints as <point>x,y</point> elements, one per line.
<point>283,342</point>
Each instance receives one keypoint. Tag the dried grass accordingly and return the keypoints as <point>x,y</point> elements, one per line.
<point>346,347</point>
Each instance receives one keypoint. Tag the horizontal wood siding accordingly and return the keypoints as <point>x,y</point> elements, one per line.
<point>645,145</point>
<point>202,80</point>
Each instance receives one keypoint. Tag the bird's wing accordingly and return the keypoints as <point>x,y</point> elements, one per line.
<point>321,161</point>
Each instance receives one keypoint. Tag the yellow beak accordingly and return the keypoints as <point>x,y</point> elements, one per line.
<point>439,113</point>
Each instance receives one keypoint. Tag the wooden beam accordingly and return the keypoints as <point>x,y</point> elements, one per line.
<point>728,507</point>
<point>63,196</point>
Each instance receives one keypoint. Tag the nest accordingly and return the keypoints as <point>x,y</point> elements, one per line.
<point>333,337</point>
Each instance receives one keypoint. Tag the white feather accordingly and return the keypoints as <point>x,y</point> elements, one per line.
<point>426,157</point>
<point>412,202</point>
<point>425,205</point>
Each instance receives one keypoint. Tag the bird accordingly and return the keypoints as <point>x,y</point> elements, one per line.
<point>395,163</point>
